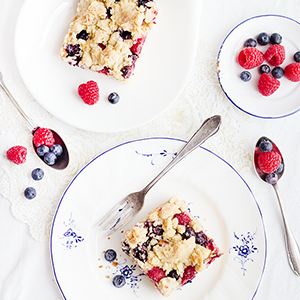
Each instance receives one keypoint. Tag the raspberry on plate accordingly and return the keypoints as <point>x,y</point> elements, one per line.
<point>292,72</point>
<point>17,154</point>
<point>43,136</point>
<point>250,58</point>
<point>89,92</point>
<point>269,162</point>
<point>267,84</point>
<point>275,55</point>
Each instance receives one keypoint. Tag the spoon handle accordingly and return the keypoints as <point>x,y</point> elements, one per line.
<point>208,128</point>
<point>30,123</point>
<point>292,247</point>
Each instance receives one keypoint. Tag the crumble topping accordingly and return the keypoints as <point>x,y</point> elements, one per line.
<point>107,36</point>
<point>170,246</point>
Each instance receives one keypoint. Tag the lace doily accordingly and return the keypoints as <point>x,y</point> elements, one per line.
<point>201,98</point>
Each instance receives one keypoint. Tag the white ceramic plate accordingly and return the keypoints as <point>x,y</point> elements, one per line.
<point>285,101</point>
<point>160,74</point>
<point>215,193</point>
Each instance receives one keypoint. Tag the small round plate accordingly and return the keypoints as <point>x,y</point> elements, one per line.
<point>244,95</point>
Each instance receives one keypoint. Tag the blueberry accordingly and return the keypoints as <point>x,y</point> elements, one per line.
<point>56,149</point>
<point>119,281</point>
<point>275,38</point>
<point>50,158</point>
<point>173,274</point>
<point>108,12</point>
<point>72,50</point>
<point>83,35</point>
<point>263,39</point>
<point>42,150</point>
<point>245,76</point>
<point>250,43</point>
<point>37,174</point>
<point>265,146</point>
<point>30,193</point>
<point>189,231</point>
<point>271,178</point>
<point>140,253</point>
<point>277,72</point>
<point>110,255</point>
<point>143,2</point>
<point>279,169</point>
<point>125,35</point>
<point>113,98</point>
<point>157,230</point>
<point>297,56</point>
<point>201,238</point>
<point>264,69</point>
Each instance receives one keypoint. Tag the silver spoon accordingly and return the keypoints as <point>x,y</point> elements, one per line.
<point>62,161</point>
<point>292,248</point>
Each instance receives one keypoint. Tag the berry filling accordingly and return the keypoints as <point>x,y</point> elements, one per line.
<point>156,274</point>
<point>183,219</point>
<point>189,273</point>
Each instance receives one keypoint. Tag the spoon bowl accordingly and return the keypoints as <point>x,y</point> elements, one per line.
<point>257,152</point>
<point>62,161</point>
<point>263,145</point>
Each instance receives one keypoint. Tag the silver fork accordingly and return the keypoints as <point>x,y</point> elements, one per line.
<point>125,210</point>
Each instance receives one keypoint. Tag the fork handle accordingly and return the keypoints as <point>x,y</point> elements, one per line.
<point>208,128</point>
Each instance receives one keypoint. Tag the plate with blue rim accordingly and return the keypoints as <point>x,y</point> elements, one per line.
<point>244,95</point>
<point>216,194</point>
<point>150,92</point>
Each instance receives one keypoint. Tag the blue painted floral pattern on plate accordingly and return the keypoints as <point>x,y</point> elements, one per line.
<point>70,237</point>
<point>131,274</point>
<point>244,249</point>
<point>163,153</point>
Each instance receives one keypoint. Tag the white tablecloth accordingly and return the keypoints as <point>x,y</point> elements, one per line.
<point>24,251</point>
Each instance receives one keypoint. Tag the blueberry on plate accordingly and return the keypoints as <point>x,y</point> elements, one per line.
<point>297,56</point>
<point>37,174</point>
<point>277,72</point>
<point>265,146</point>
<point>110,255</point>
<point>119,281</point>
<point>264,69</point>
<point>42,150</point>
<point>263,39</point>
<point>30,193</point>
<point>250,43</point>
<point>245,76</point>
<point>271,178</point>
<point>275,38</point>
<point>113,97</point>
<point>50,158</point>
<point>56,149</point>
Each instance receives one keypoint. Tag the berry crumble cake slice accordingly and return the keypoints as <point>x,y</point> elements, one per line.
<point>107,36</point>
<point>170,246</point>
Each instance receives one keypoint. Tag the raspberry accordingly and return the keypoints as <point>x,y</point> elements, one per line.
<point>188,274</point>
<point>183,219</point>
<point>275,55</point>
<point>43,136</point>
<point>17,154</point>
<point>156,274</point>
<point>137,47</point>
<point>89,92</point>
<point>250,58</point>
<point>267,84</point>
<point>269,162</point>
<point>292,72</point>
